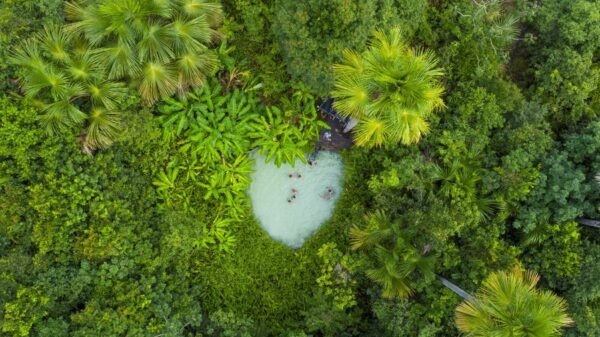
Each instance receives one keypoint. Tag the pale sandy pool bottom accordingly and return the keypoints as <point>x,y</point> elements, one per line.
<point>292,219</point>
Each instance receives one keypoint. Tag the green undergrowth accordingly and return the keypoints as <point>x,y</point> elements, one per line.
<point>266,280</point>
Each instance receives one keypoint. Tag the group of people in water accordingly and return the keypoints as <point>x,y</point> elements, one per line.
<point>297,175</point>
<point>294,192</point>
<point>327,195</point>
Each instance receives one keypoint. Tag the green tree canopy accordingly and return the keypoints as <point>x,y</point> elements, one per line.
<point>509,305</point>
<point>161,46</point>
<point>391,89</point>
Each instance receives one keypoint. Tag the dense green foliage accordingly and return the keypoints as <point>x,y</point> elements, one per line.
<point>154,235</point>
<point>161,47</point>
<point>73,72</point>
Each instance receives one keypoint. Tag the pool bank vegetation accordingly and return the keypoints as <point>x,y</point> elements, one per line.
<point>471,202</point>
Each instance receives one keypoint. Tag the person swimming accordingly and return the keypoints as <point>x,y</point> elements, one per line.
<point>329,193</point>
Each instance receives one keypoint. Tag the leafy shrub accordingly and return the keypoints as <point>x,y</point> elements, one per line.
<point>555,251</point>
<point>290,134</point>
<point>337,280</point>
<point>564,49</point>
<point>474,38</point>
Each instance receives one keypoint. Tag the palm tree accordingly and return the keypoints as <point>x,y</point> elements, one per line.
<point>64,80</point>
<point>72,74</point>
<point>161,46</point>
<point>390,88</point>
<point>396,261</point>
<point>509,305</point>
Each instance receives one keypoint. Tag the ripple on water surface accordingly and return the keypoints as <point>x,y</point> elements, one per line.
<point>292,202</point>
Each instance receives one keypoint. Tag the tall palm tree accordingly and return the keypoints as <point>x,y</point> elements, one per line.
<point>391,89</point>
<point>509,305</point>
<point>161,46</point>
<point>396,261</point>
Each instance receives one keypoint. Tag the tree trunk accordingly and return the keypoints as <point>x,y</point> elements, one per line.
<point>589,222</point>
<point>456,289</point>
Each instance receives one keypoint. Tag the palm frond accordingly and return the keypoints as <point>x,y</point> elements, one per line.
<point>406,126</point>
<point>371,132</point>
<point>106,93</point>
<point>103,128</point>
<point>85,21</point>
<point>123,20</point>
<point>158,80</point>
<point>190,35</point>
<point>193,69</point>
<point>120,60</point>
<point>29,55</point>
<point>154,45</point>
<point>60,116</point>
<point>55,43</point>
<point>212,10</point>
<point>83,66</point>
<point>367,237</point>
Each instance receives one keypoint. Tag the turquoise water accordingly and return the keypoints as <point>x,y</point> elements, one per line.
<point>292,220</point>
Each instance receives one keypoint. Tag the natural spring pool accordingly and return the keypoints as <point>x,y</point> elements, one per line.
<point>316,189</point>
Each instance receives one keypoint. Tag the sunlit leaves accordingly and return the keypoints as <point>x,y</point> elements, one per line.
<point>277,140</point>
<point>287,134</point>
<point>390,88</point>
<point>509,305</point>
